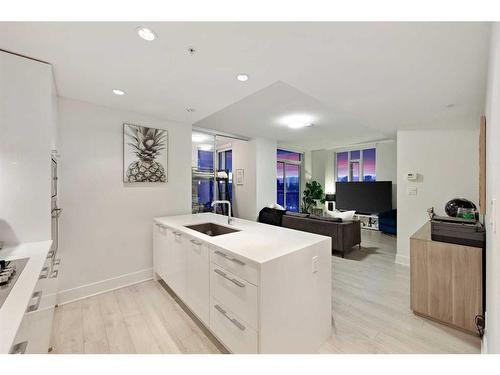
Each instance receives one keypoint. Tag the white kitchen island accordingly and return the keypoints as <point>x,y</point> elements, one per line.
<point>261,289</point>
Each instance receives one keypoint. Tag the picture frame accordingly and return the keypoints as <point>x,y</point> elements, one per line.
<point>240,176</point>
<point>145,154</point>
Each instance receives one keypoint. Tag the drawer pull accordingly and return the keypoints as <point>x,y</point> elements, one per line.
<point>232,320</point>
<point>44,274</point>
<point>57,262</point>
<point>198,243</point>
<point>54,274</point>
<point>229,258</point>
<point>19,348</point>
<point>36,305</point>
<point>50,254</point>
<point>224,275</point>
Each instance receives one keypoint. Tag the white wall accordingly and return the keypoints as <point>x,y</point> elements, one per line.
<point>447,163</point>
<point>257,158</point>
<point>106,225</point>
<point>265,174</point>
<point>491,340</point>
<point>26,133</point>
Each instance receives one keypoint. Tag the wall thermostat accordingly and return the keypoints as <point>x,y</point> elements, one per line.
<point>411,176</point>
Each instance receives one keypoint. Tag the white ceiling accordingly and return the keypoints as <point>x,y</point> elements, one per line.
<point>362,80</point>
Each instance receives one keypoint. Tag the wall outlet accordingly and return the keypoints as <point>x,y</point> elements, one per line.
<point>314,264</point>
<point>412,190</point>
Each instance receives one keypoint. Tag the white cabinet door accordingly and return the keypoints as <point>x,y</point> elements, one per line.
<point>177,263</point>
<point>160,248</point>
<point>197,289</point>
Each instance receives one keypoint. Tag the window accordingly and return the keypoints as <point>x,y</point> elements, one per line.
<point>226,164</point>
<point>288,179</point>
<point>205,187</point>
<point>356,165</point>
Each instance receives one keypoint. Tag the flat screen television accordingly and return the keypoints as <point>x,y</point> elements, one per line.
<point>364,197</point>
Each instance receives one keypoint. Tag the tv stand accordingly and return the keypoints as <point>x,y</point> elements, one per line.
<point>368,221</point>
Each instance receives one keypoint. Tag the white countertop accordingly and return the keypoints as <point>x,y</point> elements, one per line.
<point>14,307</point>
<point>256,241</point>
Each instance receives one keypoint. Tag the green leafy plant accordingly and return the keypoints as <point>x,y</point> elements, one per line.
<point>312,194</point>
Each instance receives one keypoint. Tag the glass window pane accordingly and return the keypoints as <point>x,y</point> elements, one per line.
<point>292,173</point>
<point>355,155</point>
<point>205,160</point>
<point>369,173</point>
<point>342,166</point>
<point>288,155</point>
<point>355,171</point>
<point>280,198</point>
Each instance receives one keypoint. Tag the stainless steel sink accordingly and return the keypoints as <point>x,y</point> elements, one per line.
<point>211,229</point>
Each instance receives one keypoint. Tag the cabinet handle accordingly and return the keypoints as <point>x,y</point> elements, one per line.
<point>196,242</point>
<point>50,254</point>
<point>44,275</point>
<point>224,275</point>
<point>229,258</point>
<point>57,262</point>
<point>19,348</point>
<point>177,234</point>
<point>232,320</point>
<point>36,305</point>
<point>54,274</point>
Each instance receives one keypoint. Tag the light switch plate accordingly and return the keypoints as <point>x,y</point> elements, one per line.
<point>412,190</point>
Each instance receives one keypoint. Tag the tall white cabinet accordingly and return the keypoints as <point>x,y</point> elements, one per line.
<point>28,127</point>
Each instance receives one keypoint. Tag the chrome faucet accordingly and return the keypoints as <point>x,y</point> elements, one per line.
<point>229,218</point>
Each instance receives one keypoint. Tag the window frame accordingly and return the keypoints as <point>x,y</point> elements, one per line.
<point>292,162</point>
<point>360,160</point>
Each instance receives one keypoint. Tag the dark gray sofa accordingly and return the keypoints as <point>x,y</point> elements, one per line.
<point>345,235</point>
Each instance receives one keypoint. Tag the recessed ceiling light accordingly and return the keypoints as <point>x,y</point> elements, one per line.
<point>297,121</point>
<point>190,110</point>
<point>118,92</point>
<point>242,77</point>
<point>146,34</point>
<point>450,105</point>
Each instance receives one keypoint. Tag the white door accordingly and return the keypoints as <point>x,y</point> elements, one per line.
<point>197,286</point>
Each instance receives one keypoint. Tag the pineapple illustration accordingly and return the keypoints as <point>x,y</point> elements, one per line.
<point>146,144</point>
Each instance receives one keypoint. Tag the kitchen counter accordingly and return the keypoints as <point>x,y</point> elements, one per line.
<point>263,289</point>
<point>257,242</point>
<point>14,307</point>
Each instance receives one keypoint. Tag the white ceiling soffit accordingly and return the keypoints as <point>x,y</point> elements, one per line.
<point>383,76</point>
<point>264,114</point>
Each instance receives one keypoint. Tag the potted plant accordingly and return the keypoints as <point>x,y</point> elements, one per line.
<point>312,196</point>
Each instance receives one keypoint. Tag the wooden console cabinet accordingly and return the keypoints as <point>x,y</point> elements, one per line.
<point>446,280</point>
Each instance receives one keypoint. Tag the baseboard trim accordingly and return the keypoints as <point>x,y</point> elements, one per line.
<point>403,260</point>
<point>99,287</point>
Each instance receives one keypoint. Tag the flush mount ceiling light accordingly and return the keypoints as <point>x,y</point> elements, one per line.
<point>242,77</point>
<point>297,121</point>
<point>118,92</point>
<point>146,34</point>
<point>198,137</point>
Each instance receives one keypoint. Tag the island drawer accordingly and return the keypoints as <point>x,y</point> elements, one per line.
<point>239,266</point>
<point>233,331</point>
<point>238,295</point>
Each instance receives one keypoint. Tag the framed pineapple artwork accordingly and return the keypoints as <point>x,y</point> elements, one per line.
<point>144,154</point>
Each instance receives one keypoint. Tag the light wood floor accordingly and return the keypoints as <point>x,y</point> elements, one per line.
<point>370,309</point>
